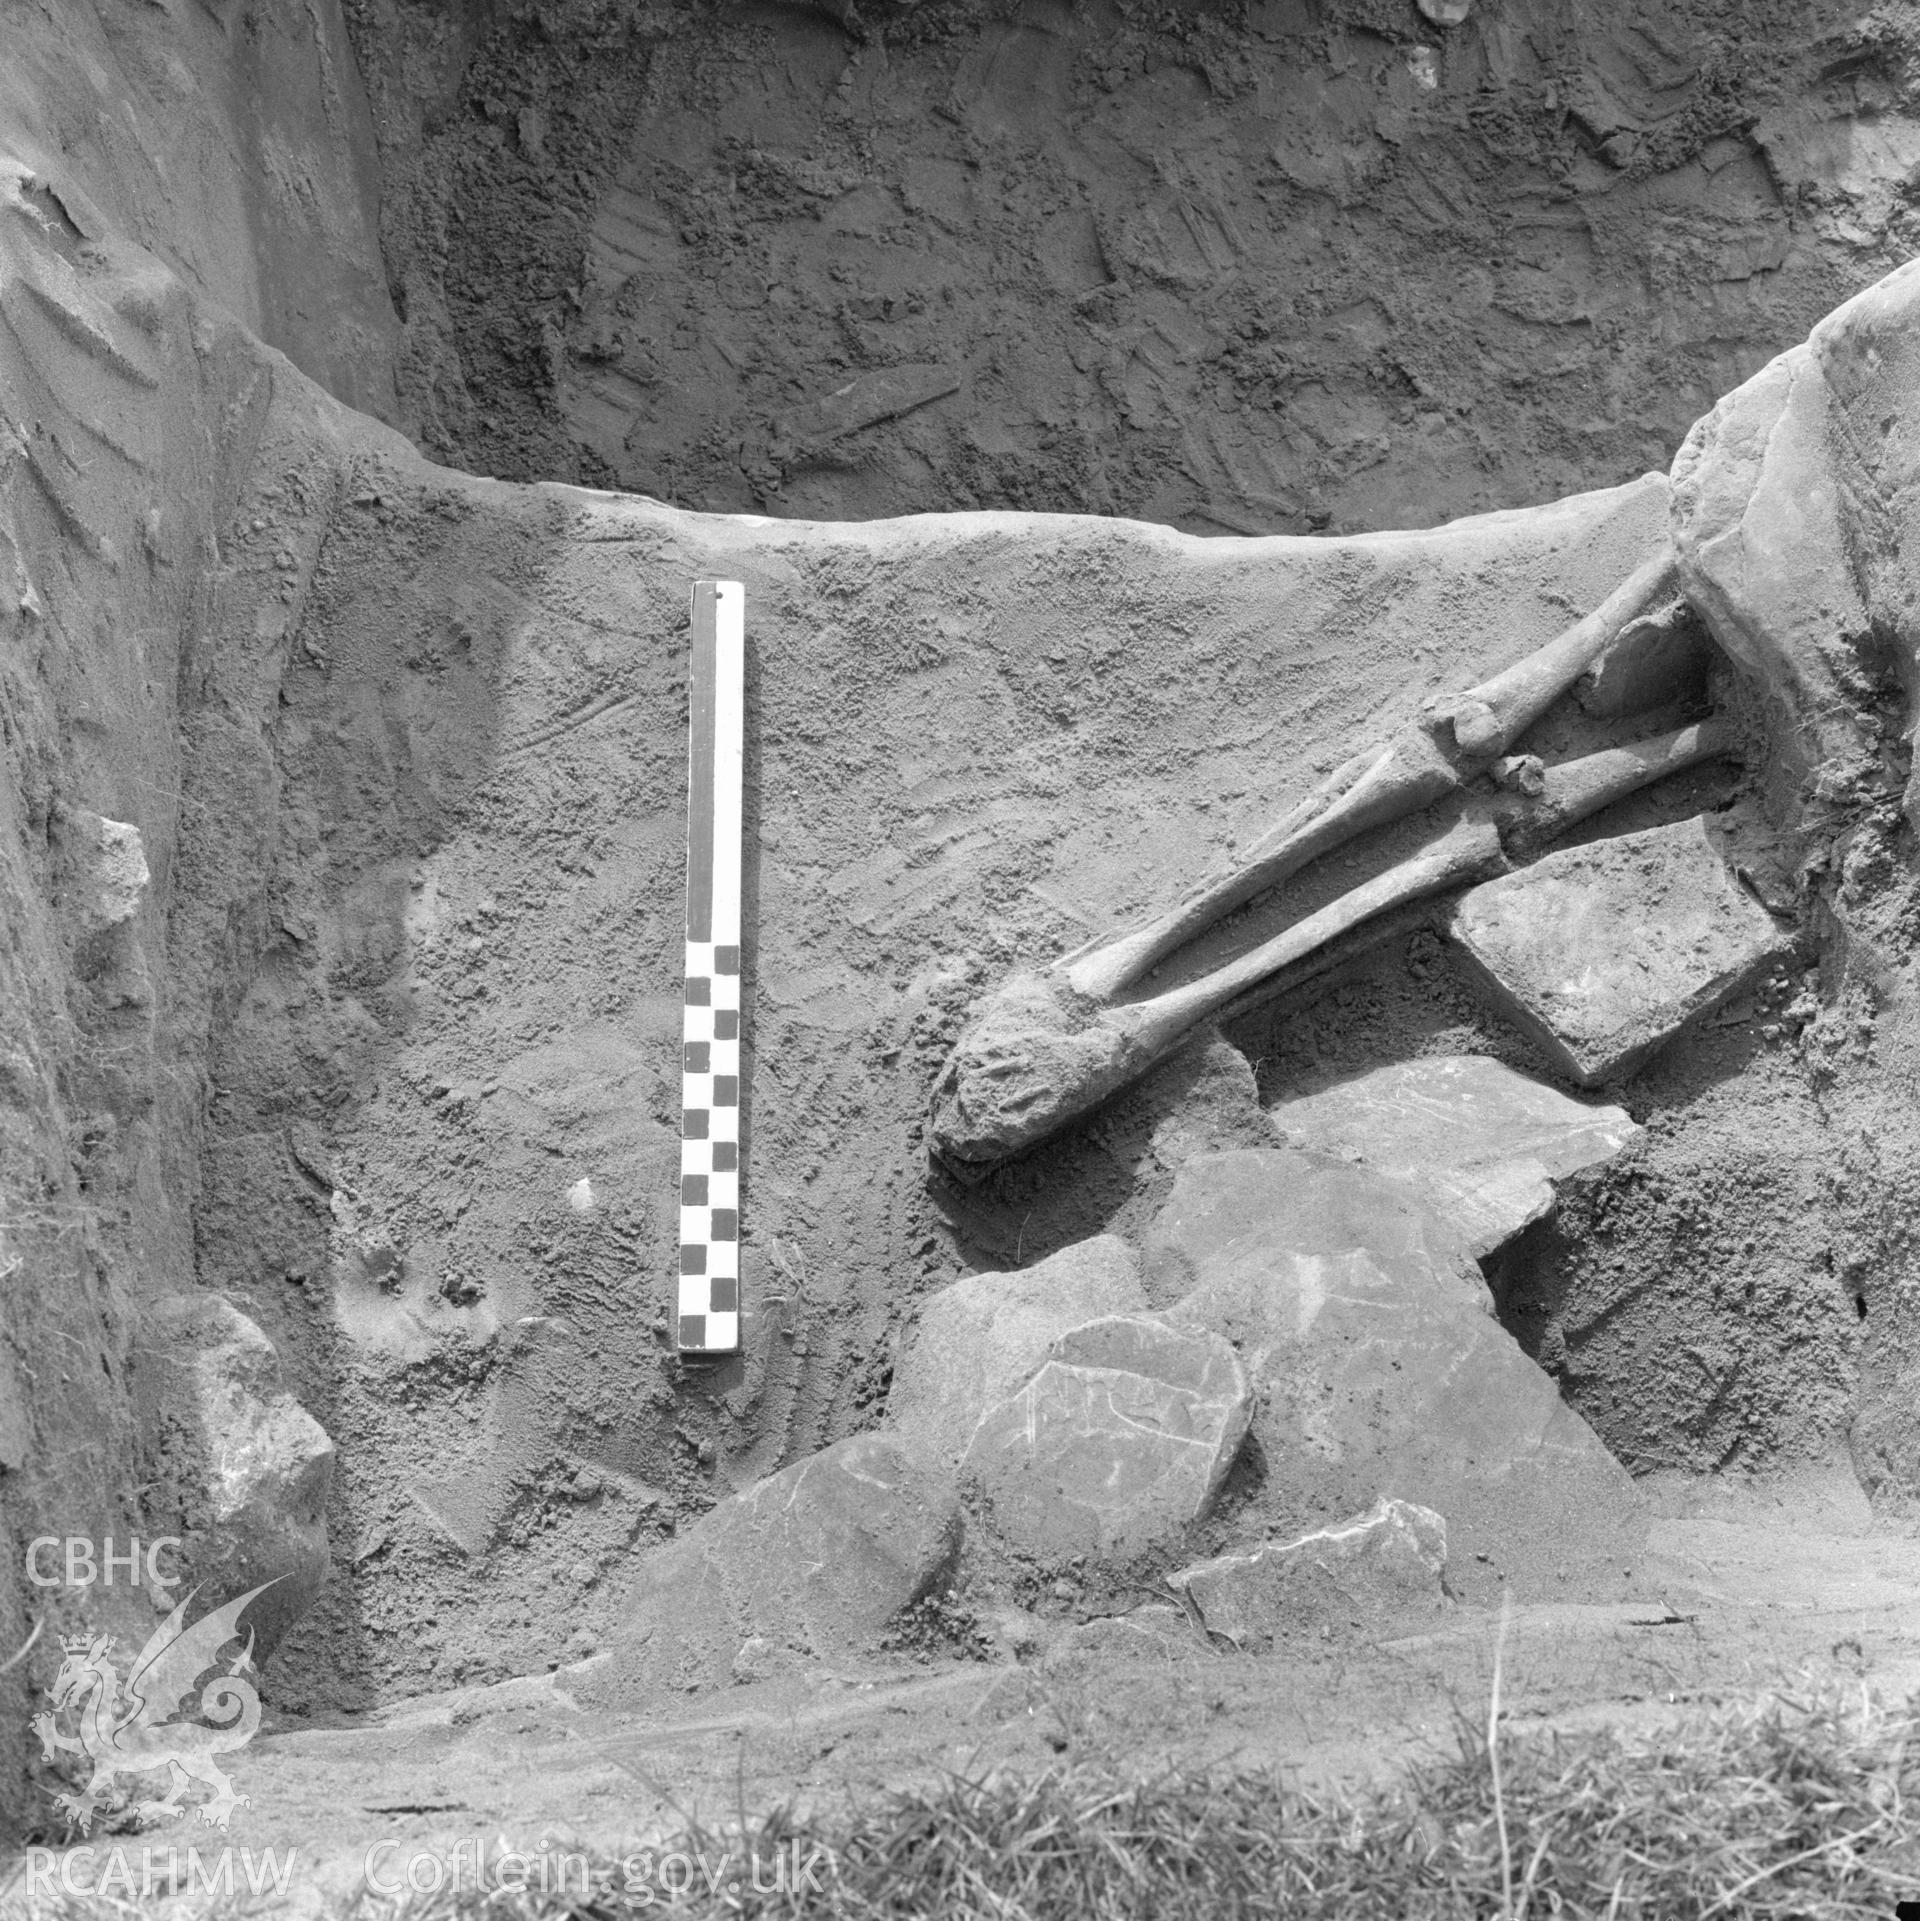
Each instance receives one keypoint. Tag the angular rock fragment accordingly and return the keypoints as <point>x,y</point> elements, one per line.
<point>1481,1144</point>
<point>237,1466</point>
<point>1120,1441</point>
<point>977,1340</point>
<point>112,874</point>
<point>808,1565</point>
<point>103,881</point>
<point>1375,1567</point>
<point>1377,1371</point>
<point>1603,953</point>
<point>1770,518</point>
<point>1658,660</point>
<point>1206,1098</point>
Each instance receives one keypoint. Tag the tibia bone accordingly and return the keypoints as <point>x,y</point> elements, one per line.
<point>1488,719</point>
<point>1409,773</point>
<point>1577,788</point>
<point>1412,771</point>
<point>1022,1071</point>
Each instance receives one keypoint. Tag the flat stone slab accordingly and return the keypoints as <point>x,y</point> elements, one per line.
<point>979,1339</point>
<point>1377,1566</point>
<point>1480,1143</point>
<point>1603,953</point>
<point>1377,1371</point>
<point>1119,1442</point>
<point>807,1566</point>
<point>1234,1215</point>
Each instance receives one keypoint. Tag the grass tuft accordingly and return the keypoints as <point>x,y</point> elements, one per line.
<point>1788,1808</point>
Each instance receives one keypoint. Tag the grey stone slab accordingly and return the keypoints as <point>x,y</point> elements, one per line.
<point>979,1339</point>
<point>1231,1216</point>
<point>1481,1144</point>
<point>1376,1371</point>
<point>806,1567</point>
<point>241,1470</point>
<point>1119,1441</point>
<point>1379,1566</point>
<point>1603,953</point>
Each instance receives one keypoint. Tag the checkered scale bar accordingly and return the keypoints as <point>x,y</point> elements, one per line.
<point>709,1299</point>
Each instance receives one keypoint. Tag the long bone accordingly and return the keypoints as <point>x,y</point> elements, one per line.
<point>1486,720</point>
<point>1021,1072</point>
<point>1560,798</point>
<point>1413,770</point>
<point>1026,1068</point>
<point>1577,788</point>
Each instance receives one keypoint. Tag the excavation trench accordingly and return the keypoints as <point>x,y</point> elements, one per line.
<point>389,1057</point>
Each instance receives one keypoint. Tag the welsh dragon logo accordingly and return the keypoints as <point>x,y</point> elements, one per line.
<point>124,1726</point>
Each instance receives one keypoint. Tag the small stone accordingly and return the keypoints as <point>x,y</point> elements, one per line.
<point>1603,953</point>
<point>1015,1634</point>
<point>1520,774</point>
<point>757,1660</point>
<point>1119,1441</point>
<point>580,1196</point>
<point>120,875</point>
<point>1375,1567</point>
<point>103,879</point>
<point>1445,13</point>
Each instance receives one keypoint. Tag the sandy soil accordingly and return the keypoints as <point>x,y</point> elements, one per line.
<point>1239,268</point>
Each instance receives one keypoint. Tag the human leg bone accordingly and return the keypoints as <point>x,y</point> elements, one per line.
<point>1039,1056</point>
<point>1486,720</point>
<point>1023,1071</point>
<point>1413,770</point>
<point>1409,773</point>
<point>1577,788</point>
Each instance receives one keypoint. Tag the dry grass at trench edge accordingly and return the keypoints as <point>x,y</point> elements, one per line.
<point>1798,1804</point>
